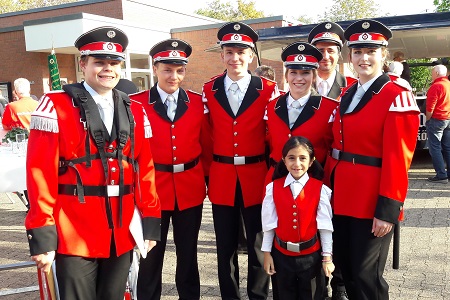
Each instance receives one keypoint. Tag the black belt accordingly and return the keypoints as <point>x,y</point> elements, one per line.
<point>239,160</point>
<point>356,158</point>
<point>176,168</point>
<point>297,247</point>
<point>94,190</point>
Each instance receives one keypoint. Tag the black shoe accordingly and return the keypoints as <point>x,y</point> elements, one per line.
<point>435,179</point>
<point>339,295</point>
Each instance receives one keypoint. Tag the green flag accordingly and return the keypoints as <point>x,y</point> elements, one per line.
<point>54,72</point>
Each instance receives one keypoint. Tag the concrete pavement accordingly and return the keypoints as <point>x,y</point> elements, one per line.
<point>424,272</point>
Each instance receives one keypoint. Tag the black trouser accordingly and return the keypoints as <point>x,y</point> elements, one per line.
<point>226,226</point>
<point>362,257</point>
<point>186,226</point>
<point>82,278</point>
<point>296,275</point>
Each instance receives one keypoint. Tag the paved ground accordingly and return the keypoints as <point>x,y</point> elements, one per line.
<point>424,252</point>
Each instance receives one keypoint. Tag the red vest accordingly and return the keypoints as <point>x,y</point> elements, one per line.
<point>383,125</point>
<point>82,228</point>
<point>176,142</point>
<point>297,217</point>
<point>243,135</point>
<point>314,123</point>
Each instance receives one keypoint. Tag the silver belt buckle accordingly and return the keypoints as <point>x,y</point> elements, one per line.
<point>113,190</point>
<point>335,153</point>
<point>239,160</point>
<point>178,168</point>
<point>293,247</point>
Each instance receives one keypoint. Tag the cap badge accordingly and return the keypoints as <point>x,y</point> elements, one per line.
<point>301,47</point>
<point>109,47</point>
<point>237,27</point>
<point>300,58</point>
<point>328,26</point>
<point>365,25</point>
<point>327,35</point>
<point>236,37</point>
<point>365,36</point>
<point>111,34</point>
<point>174,44</point>
<point>174,54</point>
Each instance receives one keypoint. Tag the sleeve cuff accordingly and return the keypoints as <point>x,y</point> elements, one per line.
<point>152,228</point>
<point>42,239</point>
<point>388,209</point>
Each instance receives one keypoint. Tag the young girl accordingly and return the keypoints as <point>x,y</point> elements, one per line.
<point>295,207</point>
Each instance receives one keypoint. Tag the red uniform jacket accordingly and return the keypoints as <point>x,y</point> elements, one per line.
<point>243,135</point>
<point>314,123</point>
<point>176,142</point>
<point>383,125</point>
<point>297,217</point>
<point>60,222</point>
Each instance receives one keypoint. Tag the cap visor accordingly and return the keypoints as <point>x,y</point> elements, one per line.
<point>108,56</point>
<point>300,67</point>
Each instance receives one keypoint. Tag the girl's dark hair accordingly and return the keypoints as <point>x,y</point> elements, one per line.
<point>315,171</point>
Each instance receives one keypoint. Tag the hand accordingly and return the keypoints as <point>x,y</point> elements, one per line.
<point>44,260</point>
<point>148,245</point>
<point>269,267</point>
<point>328,266</point>
<point>380,228</point>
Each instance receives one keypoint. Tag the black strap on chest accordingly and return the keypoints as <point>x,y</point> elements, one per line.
<point>90,116</point>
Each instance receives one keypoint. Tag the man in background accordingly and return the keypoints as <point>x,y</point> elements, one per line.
<point>438,123</point>
<point>265,71</point>
<point>18,113</point>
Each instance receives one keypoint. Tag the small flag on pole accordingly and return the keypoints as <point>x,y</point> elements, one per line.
<point>54,72</point>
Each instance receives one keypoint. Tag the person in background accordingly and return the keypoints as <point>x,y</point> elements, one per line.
<point>296,206</point>
<point>395,69</point>
<point>406,73</point>
<point>178,118</point>
<point>265,71</point>
<point>328,37</point>
<point>92,175</point>
<point>369,162</point>
<point>18,113</point>
<point>438,123</point>
<point>236,101</point>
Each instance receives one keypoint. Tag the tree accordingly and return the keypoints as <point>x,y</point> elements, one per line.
<point>7,6</point>
<point>229,12</point>
<point>343,10</point>
<point>420,75</point>
<point>442,5</point>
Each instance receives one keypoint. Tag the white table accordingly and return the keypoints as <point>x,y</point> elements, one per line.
<point>12,171</point>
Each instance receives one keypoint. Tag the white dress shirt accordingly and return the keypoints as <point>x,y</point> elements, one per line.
<point>329,81</point>
<point>242,83</point>
<point>106,103</point>
<point>269,217</point>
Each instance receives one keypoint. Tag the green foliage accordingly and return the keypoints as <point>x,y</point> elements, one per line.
<point>229,12</point>
<point>343,10</point>
<point>420,76</point>
<point>11,135</point>
<point>7,6</point>
<point>442,5</point>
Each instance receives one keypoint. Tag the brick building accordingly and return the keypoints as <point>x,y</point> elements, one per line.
<point>27,38</point>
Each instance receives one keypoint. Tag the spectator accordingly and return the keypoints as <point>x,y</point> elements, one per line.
<point>265,71</point>
<point>438,123</point>
<point>406,73</point>
<point>18,113</point>
<point>3,101</point>
<point>395,69</point>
